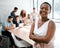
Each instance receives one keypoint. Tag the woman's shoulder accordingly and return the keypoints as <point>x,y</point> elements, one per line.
<point>51,23</point>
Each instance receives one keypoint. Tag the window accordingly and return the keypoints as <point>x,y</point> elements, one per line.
<point>57,9</point>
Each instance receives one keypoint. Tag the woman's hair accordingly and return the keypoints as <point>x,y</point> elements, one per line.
<point>46,3</point>
<point>22,14</point>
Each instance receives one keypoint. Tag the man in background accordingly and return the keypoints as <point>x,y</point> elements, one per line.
<point>7,26</point>
<point>13,13</point>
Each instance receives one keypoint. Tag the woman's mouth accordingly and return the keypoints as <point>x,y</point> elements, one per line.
<point>43,13</point>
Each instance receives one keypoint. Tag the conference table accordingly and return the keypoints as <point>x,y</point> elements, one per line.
<point>23,33</point>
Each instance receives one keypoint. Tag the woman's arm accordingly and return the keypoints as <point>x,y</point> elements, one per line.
<point>48,37</point>
<point>31,36</point>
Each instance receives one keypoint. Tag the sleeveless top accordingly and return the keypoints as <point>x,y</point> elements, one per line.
<point>42,31</point>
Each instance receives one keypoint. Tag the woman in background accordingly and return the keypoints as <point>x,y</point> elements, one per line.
<point>43,30</point>
<point>23,16</point>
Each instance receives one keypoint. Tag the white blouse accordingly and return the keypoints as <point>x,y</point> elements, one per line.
<point>41,31</point>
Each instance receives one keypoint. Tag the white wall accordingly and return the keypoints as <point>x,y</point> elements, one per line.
<point>6,6</point>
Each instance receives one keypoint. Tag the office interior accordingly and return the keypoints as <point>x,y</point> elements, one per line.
<point>6,6</point>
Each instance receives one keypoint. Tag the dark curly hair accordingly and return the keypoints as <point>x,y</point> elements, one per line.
<point>46,3</point>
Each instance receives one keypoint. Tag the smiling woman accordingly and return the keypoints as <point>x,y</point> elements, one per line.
<point>50,2</point>
<point>41,31</point>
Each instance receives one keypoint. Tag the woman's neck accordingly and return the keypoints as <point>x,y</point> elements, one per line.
<point>45,19</point>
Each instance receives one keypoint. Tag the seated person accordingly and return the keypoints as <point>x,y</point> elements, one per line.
<point>17,21</point>
<point>23,16</point>
<point>7,26</point>
<point>29,19</point>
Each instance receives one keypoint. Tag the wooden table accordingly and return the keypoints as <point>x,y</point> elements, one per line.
<point>23,33</point>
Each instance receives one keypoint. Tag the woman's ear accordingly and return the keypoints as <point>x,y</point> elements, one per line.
<point>49,11</point>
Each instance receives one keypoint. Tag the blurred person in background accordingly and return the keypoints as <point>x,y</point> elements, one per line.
<point>13,13</point>
<point>17,21</point>
<point>7,26</point>
<point>23,16</point>
<point>29,19</point>
<point>34,14</point>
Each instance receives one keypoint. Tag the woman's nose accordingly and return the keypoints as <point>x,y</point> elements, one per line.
<point>43,9</point>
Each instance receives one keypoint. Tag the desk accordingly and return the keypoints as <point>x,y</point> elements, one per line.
<point>23,33</point>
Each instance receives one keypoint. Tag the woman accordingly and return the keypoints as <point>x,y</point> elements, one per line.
<point>23,16</point>
<point>42,30</point>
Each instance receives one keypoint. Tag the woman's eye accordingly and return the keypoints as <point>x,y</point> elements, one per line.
<point>46,9</point>
<point>41,8</point>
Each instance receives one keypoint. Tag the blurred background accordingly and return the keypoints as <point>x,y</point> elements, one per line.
<point>6,6</point>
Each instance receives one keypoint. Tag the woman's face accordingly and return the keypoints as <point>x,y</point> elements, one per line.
<point>24,13</point>
<point>44,10</point>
